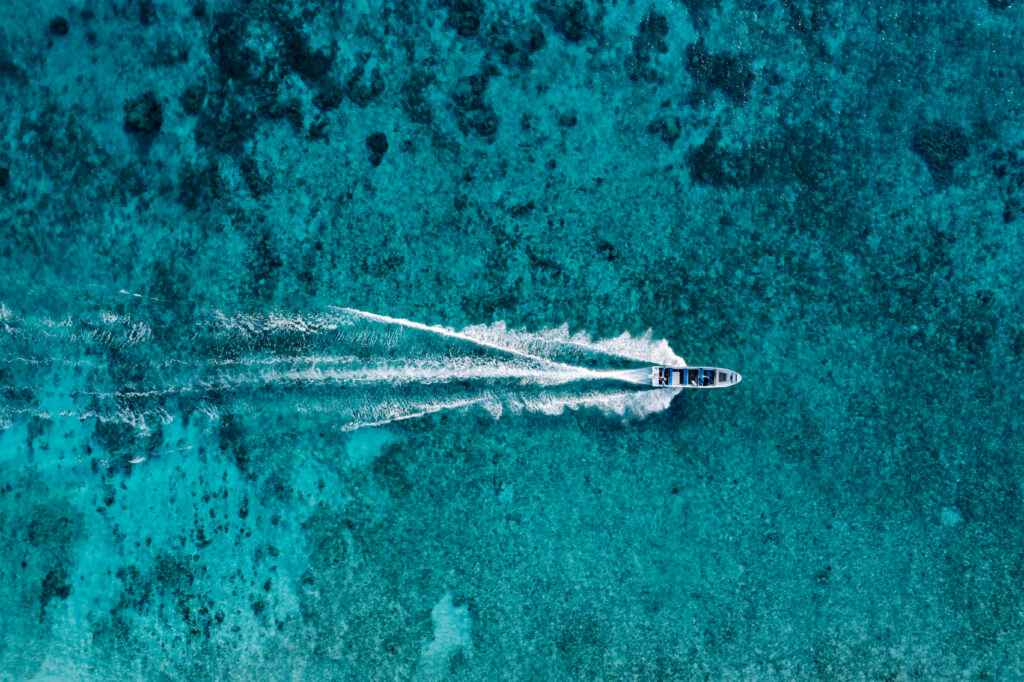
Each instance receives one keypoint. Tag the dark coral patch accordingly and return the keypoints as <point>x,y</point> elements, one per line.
<point>571,19</point>
<point>231,440</point>
<point>649,41</point>
<point>231,55</point>
<point>666,127</point>
<point>55,585</point>
<point>363,87</point>
<point>414,98</point>
<point>144,114</point>
<point>712,165</point>
<point>147,12</point>
<point>59,26</point>
<point>192,98</point>
<point>942,146</point>
<point>469,92</point>
<point>729,74</point>
<point>226,125</point>
<point>517,44</point>
<point>377,143</point>
<point>308,63</point>
<point>484,122</point>
<point>472,112</point>
<point>464,16</point>
<point>1008,168</point>
<point>329,97</point>
<point>700,12</point>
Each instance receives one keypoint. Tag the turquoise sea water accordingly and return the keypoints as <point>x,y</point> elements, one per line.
<point>313,317</point>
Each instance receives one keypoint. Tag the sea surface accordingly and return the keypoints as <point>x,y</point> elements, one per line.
<point>319,324</point>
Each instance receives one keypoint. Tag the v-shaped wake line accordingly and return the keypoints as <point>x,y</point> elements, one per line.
<point>397,407</point>
<point>531,345</point>
<point>624,346</point>
<point>397,417</point>
<point>350,367</point>
<point>450,333</point>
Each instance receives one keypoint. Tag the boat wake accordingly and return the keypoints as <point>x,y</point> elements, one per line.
<point>348,367</point>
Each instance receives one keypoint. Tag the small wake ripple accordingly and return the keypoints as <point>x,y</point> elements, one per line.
<point>348,367</point>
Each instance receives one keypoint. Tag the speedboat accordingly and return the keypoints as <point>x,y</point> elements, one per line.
<point>693,377</point>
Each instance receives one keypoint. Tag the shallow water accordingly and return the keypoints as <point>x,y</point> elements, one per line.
<point>319,325</point>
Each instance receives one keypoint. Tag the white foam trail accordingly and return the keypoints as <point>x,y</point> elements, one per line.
<point>444,331</point>
<point>431,408</point>
<point>537,345</point>
<point>422,372</point>
<point>254,325</point>
<point>642,349</point>
<point>533,345</point>
<point>621,403</point>
<point>55,361</point>
<point>354,367</point>
<point>431,372</point>
<point>624,404</point>
<point>119,415</point>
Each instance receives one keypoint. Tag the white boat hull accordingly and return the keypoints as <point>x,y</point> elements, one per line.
<point>693,377</point>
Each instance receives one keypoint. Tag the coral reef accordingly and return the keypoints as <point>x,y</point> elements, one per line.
<point>826,196</point>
